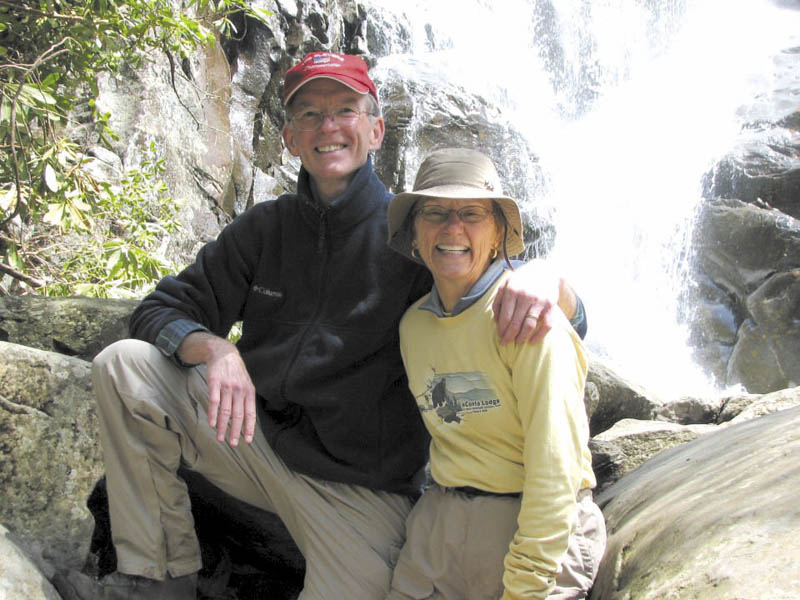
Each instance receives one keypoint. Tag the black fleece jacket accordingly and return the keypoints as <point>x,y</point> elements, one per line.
<point>320,295</point>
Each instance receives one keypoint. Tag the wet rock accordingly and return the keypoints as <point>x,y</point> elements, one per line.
<point>710,519</point>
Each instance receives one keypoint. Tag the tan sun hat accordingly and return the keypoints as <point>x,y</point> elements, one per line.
<point>453,173</point>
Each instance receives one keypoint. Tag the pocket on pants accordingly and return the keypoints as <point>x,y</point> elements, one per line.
<point>409,578</point>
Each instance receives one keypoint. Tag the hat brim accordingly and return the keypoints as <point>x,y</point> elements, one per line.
<point>399,226</point>
<point>354,85</point>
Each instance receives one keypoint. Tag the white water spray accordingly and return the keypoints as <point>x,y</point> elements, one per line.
<point>627,107</point>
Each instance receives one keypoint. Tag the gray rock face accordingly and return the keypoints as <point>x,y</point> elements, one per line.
<point>747,245</point>
<point>765,170</point>
<point>713,519</point>
<point>740,245</point>
<point>752,255</point>
<point>182,108</point>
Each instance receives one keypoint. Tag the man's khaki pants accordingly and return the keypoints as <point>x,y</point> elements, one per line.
<point>153,420</point>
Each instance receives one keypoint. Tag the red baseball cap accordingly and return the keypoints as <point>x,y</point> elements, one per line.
<point>347,69</point>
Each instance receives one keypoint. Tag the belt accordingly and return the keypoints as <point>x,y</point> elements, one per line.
<point>472,492</point>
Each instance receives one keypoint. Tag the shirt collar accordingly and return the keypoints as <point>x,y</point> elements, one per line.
<point>433,302</point>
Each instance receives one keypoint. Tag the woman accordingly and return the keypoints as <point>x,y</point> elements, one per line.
<point>510,511</point>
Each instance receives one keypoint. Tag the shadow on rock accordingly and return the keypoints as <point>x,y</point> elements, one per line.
<point>247,552</point>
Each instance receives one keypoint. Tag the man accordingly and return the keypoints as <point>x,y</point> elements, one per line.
<point>315,387</point>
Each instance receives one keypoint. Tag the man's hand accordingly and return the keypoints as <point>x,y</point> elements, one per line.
<point>231,394</point>
<point>524,303</point>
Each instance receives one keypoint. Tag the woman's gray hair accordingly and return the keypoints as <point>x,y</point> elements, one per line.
<point>500,219</point>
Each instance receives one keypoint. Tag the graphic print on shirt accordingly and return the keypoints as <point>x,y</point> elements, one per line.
<point>454,395</point>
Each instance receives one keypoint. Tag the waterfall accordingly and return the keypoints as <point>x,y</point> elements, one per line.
<point>627,103</point>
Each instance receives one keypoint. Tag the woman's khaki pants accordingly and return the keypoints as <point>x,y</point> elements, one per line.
<point>153,420</point>
<point>456,545</point>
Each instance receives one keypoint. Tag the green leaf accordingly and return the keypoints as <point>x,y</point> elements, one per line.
<point>5,110</point>
<point>51,179</point>
<point>51,80</point>
<point>34,95</point>
<point>260,14</point>
<point>54,215</point>
<point>112,260</point>
<point>13,257</point>
<point>78,217</point>
<point>7,198</point>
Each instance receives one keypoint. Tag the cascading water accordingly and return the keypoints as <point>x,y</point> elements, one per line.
<point>626,103</point>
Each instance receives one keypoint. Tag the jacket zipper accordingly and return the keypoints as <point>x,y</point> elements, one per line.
<point>321,241</point>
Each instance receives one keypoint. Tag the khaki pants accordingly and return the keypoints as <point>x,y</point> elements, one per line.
<point>456,545</point>
<point>153,420</point>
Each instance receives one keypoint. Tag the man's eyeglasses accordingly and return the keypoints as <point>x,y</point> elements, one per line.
<point>438,215</point>
<point>309,119</point>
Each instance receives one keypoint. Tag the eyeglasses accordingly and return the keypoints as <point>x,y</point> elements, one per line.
<point>438,215</point>
<point>310,119</point>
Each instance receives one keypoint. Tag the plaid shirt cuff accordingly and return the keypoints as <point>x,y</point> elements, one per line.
<point>173,334</point>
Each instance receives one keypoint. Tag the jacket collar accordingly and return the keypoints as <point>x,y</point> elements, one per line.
<point>361,198</point>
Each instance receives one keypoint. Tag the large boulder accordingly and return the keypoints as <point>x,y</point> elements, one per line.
<point>765,357</point>
<point>712,519</point>
<point>631,442</point>
<point>612,397</point>
<point>51,457</point>
<point>748,258</point>
<point>19,576</point>
<point>765,169</point>
<point>79,327</point>
<point>739,245</point>
<point>766,404</point>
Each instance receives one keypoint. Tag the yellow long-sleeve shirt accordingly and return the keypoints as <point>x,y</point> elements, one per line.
<point>505,419</point>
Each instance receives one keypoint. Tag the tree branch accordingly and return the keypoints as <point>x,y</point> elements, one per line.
<point>15,6</point>
<point>34,283</point>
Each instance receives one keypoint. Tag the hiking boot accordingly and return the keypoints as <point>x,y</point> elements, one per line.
<point>119,586</point>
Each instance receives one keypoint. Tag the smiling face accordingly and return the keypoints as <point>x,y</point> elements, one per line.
<point>335,151</point>
<point>456,252</point>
